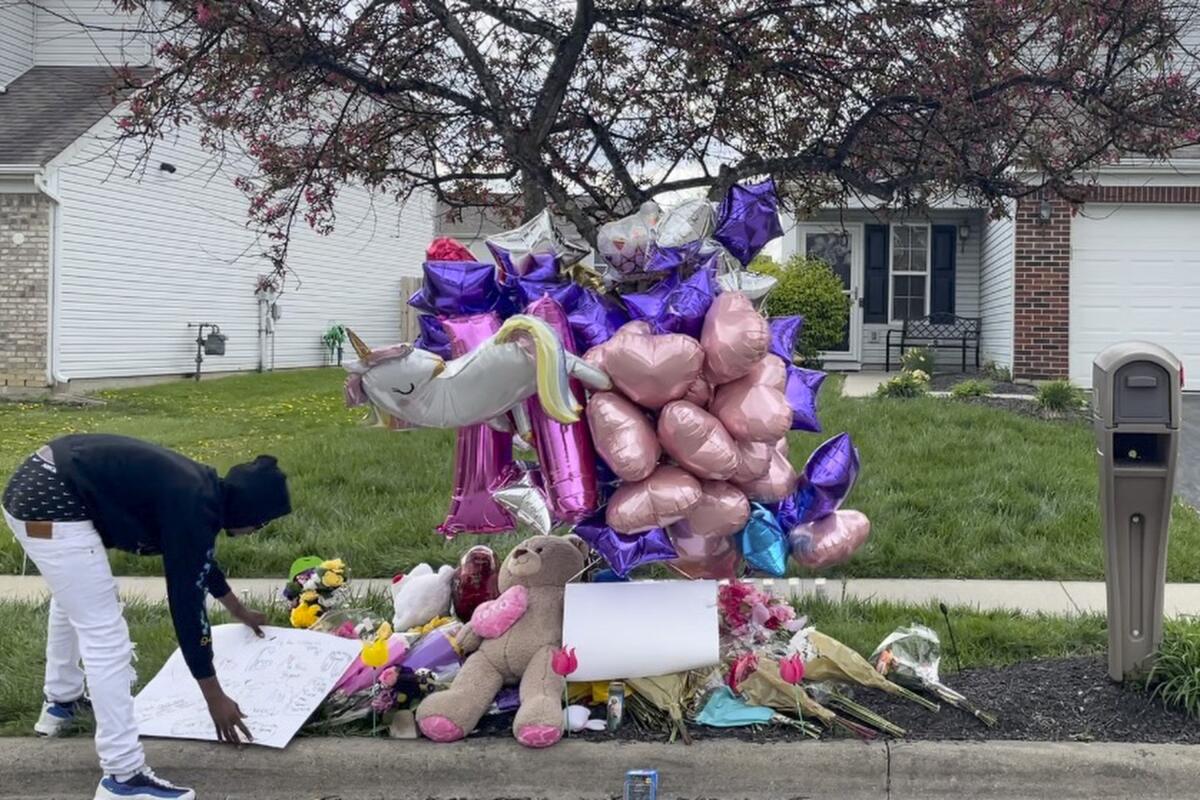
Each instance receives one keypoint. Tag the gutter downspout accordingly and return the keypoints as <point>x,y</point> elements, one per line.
<point>54,377</point>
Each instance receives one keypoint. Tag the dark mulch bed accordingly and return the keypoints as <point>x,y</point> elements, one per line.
<point>1070,699</point>
<point>945,381</point>
<point>1028,408</point>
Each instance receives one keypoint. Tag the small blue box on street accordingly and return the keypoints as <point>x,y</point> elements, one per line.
<point>641,784</point>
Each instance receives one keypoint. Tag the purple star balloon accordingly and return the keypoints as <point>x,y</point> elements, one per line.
<point>749,218</point>
<point>594,319</point>
<point>784,333</point>
<point>675,306</point>
<point>829,475</point>
<point>649,305</point>
<point>433,336</point>
<point>457,288</point>
<point>671,259</point>
<point>803,386</point>
<point>624,553</point>
<point>529,291</point>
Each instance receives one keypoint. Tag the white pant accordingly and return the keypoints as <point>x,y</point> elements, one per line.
<point>86,622</point>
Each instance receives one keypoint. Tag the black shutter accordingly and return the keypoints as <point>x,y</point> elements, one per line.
<point>945,243</point>
<point>875,281</point>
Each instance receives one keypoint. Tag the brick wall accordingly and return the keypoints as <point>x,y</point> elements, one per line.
<point>24,290</point>
<point>1041,285</point>
<point>1042,274</point>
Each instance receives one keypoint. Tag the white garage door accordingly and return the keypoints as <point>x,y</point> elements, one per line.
<point>1135,274</point>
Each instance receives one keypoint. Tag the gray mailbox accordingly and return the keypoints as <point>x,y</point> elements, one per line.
<point>1137,397</point>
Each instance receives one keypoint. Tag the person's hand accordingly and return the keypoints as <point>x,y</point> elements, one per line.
<point>252,618</point>
<point>228,719</point>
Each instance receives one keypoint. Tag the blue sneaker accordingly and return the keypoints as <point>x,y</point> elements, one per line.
<point>58,718</point>
<point>143,786</point>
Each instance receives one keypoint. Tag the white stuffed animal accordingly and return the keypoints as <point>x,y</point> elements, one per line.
<point>420,596</point>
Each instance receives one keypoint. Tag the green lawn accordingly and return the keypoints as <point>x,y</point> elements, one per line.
<point>985,639</point>
<point>953,490</point>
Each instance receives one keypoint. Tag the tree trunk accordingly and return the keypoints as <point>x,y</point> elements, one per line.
<point>533,198</point>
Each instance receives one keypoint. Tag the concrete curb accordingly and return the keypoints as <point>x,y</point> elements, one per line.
<point>358,769</point>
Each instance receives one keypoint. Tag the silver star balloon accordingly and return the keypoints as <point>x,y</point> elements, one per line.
<point>528,507</point>
<point>538,235</point>
<point>686,222</point>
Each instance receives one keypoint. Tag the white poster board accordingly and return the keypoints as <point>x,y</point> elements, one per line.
<point>639,629</point>
<point>277,681</point>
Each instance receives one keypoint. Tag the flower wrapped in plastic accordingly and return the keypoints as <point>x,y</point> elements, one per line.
<point>315,586</point>
<point>750,617</point>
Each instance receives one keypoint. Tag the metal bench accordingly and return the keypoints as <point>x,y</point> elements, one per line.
<point>937,331</point>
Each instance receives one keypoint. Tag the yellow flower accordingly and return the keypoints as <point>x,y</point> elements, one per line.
<point>384,631</point>
<point>332,580</point>
<point>305,615</point>
<point>309,597</point>
<point>433,624</point>
<point>375,654</point>
<point>335,564</point>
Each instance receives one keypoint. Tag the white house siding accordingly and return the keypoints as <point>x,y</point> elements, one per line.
<point>84,33</point>
<point>996,291</point>
<point>16,41</point>
<point>966,285</point>
<point>138,260</point>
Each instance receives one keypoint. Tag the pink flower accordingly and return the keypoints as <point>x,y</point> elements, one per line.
<point>743,666</point>
<point>564,662</point>
<point>388,677</point>
<point>382,702</point>
<point>791,669</point>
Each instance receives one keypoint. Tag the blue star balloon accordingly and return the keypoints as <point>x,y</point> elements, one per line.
<point>764,544</point>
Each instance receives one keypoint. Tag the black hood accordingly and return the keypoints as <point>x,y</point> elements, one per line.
<point>255,493</point>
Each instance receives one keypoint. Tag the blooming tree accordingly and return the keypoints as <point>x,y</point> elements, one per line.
<point>594,106</point>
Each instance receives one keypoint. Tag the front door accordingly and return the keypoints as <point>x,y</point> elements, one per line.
<point>840,246</point>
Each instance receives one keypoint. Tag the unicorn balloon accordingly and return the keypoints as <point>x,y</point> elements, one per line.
<point>525,357</point>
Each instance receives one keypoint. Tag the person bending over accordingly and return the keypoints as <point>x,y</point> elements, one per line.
<point>82,494</point>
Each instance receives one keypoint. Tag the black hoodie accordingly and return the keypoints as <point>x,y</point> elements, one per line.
<point>149,500</point>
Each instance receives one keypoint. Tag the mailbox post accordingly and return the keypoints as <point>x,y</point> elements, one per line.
<point>1136,408</point>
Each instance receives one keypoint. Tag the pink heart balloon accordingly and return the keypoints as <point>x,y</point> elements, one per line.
<point>652,370</point>
<point>735,336</point>
<point>697,441</point>
<point>623,436</point>
<point>751,412</point>
<point>700,393</point>
<point>754,459</point>
<point>703,557</point>
<point>660,500</point>
<point>723,510</point>
<point>779,481</point>
<point>598,355</point>
<point>830,540</point>
<point>769,371</point>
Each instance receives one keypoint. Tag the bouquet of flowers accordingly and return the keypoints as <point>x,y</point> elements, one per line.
<point>314,587</point>
<point>751,617</point>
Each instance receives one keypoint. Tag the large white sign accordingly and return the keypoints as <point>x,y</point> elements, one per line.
<point>277,681</point>
<point>640,629</point>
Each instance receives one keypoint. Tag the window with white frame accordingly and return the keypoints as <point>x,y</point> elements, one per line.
<point>910,271</point>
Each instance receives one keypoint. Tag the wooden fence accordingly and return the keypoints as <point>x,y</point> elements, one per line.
<point>410,329</point>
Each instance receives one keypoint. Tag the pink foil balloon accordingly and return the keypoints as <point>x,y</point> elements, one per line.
<point>780,480</point>
<point>652,370</point>
<point>752,412</point>
<point>703,557</point>
<point>770,371</point>
<point>482,455</point>
<point>598,355</point>
<point>697,441</point>
<point>754,459</point>
<point>665,497</point>
<point>735,337</point>
<point>623,435</point>
<point>723,510</point>
<point>565,452</point>
<point>700,393</point>
<point>830,540</point>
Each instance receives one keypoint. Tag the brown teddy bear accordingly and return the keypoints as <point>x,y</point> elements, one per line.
<point>511,639</point>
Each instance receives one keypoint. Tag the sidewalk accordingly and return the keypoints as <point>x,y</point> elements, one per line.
<point>487,769</point>
<point>1063,598</point>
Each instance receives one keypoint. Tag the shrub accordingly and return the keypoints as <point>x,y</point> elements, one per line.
<point>1175,676</point>
<point>922,358</point>
<point>909,383</point>
<point>997,372</point>
<point>808,287</point>
<point>1059,396</point>
<point>971,388</point>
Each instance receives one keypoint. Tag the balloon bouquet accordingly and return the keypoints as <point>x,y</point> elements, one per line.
<point>655,395</point>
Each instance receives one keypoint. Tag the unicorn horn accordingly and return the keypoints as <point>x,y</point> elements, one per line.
<point>359,345</point>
